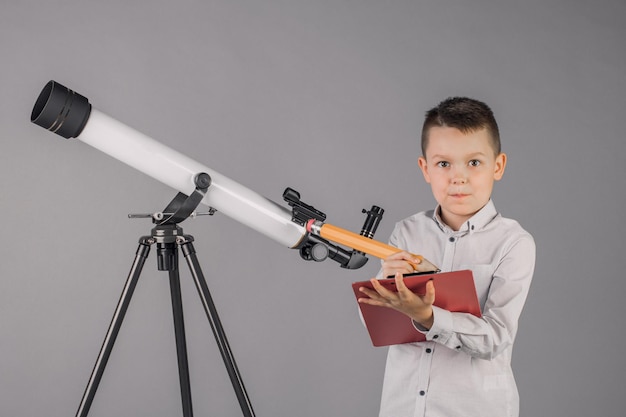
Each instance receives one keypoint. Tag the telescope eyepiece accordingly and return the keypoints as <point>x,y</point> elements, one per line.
<point>374,216</point>
<point>61,110</point>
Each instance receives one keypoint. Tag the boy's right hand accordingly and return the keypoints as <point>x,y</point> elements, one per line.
<point>405,263</point>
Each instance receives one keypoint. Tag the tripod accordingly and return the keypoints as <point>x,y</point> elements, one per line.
<point>168,237</point>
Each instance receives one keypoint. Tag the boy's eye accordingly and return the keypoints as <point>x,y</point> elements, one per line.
<point>443,164</point>
<point>474,162</point>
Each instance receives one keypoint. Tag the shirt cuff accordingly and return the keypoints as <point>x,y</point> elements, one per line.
<point>441,329</point>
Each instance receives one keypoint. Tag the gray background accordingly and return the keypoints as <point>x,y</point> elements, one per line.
<point>326,97</point>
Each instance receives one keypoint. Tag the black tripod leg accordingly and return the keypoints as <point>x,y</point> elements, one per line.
<point>181,344</point>
<point>114,328</point>
<point>218,331</point>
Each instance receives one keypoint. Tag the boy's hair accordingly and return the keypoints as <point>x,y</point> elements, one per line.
<point>466,114</point>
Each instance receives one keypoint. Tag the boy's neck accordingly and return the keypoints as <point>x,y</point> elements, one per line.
<point>454,225</point>
<point>457,222</point>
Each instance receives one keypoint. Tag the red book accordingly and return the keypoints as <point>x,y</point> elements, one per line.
<point>454,291</point>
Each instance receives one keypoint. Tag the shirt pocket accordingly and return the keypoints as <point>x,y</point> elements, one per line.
<point>483,274</point>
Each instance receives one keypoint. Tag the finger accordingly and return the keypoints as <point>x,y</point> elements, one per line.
<point>378,293</point>
<point>404,294</point>
<point>374,298</point>
<point>400,285</point>
<point>426,266</point>
<point>370,293</point>
<point>384,292</point>
<point>401,254</point>
<point>415,263</point>
<point>412,260</point>
<point>396,263</point>
<point>406,263</point>
<point>429,297</point>
<point>391,267</point>
<point>405,256</point>
<point>372,302</point>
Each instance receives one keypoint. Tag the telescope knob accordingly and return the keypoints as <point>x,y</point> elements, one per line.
<point>317,252</point>
<point>203,181</point>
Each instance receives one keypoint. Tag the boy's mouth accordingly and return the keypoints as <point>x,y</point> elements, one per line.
<point>459,192</point>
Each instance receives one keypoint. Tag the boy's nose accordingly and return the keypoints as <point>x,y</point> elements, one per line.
<point>458,175</point>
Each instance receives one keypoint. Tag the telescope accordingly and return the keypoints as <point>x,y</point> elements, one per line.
<point>303,227</point>
<point>70,115</point>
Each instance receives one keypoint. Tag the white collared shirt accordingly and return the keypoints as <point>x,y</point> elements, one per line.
<point>464,367</point>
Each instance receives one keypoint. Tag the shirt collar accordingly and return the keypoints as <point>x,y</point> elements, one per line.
<point>475,223</point>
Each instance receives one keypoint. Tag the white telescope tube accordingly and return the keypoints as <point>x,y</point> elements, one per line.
<point>70,115</point>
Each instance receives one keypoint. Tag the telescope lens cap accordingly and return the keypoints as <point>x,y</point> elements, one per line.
<point>61,110</point>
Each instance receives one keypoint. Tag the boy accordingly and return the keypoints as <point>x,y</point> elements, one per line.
<point>464,366</point>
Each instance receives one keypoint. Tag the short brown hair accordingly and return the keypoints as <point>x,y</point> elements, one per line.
<point>466,114</point>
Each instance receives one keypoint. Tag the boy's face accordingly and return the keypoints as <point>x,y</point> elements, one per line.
<point>461,169</point>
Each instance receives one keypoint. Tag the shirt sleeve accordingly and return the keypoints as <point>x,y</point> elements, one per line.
<point>488,336</point>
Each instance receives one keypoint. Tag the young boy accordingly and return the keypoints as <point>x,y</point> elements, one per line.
<point>464,366</point>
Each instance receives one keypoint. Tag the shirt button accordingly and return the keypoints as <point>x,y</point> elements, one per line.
<point>429,350</point>
<point>436,336</point>
<point>422,393</point>
<point>451,239</point>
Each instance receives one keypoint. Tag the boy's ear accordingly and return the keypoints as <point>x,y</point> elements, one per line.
<point>499,166</point>
<point>421,161</point>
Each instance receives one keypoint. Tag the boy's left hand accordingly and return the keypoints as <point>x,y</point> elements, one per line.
<point>417,307</point>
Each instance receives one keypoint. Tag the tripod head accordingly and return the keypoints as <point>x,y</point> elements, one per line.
<point>167,234</point>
